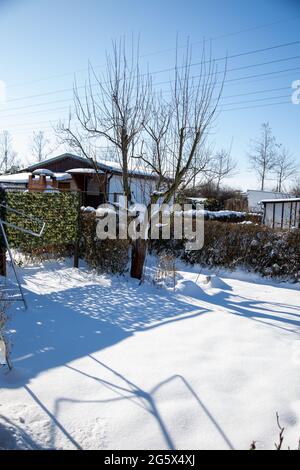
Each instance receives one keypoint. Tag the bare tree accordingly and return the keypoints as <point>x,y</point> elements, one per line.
<point>113,110</point>
<point>178,129</point>
<point>284,167</point>
<point>8,157</point>
<point>39,146</point>
<point>223,166</point>
<point>263,154</point>
<point>295,189</point>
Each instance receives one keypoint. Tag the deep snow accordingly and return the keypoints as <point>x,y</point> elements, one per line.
<point>103,362</point>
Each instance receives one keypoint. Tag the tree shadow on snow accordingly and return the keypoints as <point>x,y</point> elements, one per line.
<point>125,389</point>
<point>275,314</point>
<point>67,325</point>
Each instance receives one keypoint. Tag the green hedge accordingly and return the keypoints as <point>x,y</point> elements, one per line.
<point>60,212</point>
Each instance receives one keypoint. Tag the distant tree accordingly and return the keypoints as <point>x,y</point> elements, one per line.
<point>215,197</point>
<point>8,157</point>
<point>284,167</point>
<point>295,190</point>
<point>262,156</point>
<point>223,166</point>
<point>39,146</point>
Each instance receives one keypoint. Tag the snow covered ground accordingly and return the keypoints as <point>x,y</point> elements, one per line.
<point>101,362</point>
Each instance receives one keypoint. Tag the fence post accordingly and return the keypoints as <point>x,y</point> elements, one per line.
<point>2,260</point>
<point>76,254</point>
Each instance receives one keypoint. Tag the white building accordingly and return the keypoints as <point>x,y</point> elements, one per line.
<point>256,196</point>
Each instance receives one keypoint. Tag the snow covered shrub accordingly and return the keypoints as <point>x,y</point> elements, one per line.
<point>103,255</point>
<point>256,248</point>
<point>253,247</point>
<point>166,269</point>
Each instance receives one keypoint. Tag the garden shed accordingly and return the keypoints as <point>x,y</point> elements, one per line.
<point>281,213</point>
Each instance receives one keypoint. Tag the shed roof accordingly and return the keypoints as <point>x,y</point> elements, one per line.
<point>286,200</point>
<point>104,165</point>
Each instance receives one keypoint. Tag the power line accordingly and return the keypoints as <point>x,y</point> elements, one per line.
<point>222,36</point>
<point>25,131</point>
<point>258,99</point>
<point>221,107</point>
<point>35,112</point>
<point>256,92</point>
<point>266,74</point>
<point>238,78</point>
<point>234,79</point>
<point>68,100</point>
<point>258,106</point>
<point>233,56</point>
<point>226,81</point>
<point>230,70</point>
<point>164,70</point>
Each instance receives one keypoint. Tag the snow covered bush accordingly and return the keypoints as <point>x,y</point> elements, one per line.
<point>253,247</point>
<point>166,270</point>
<point>103,255</point>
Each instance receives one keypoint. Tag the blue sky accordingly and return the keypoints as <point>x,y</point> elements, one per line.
<point>44,42</point>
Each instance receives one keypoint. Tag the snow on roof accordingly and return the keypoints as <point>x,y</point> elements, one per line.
<point>62,176</point>
<point>17,178</point>
<point>289,199</point>
<point>81,170</point>
<point>267,192</point>
<point>197,199</point>
<point>22,178</point>
<point>43,171</point>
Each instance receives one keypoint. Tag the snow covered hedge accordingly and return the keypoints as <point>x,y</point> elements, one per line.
<point>103,255</point>
<point>225,215</point>
<point>60,212</point>
<point>252,247</point>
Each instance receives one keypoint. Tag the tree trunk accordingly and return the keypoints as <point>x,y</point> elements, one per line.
<point>138,257</point>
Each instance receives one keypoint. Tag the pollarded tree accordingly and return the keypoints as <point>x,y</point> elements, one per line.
<point>177,133</point>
